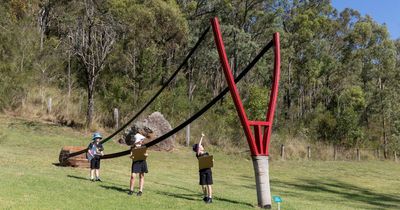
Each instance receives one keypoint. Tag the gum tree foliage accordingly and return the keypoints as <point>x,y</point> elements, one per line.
<point>339,80</point>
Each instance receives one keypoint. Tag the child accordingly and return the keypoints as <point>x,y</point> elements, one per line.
<point>138,167</point>
<point>95,151</point>
<point>205,174</point>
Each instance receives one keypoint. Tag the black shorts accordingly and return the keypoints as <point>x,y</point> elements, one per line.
<point>95,163</point>
<point>206,177</point>
<point>139,166</point>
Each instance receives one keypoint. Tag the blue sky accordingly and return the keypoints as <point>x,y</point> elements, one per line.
<point>382,11</point>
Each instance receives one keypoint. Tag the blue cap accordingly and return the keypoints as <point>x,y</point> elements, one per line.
<point>96,136</point>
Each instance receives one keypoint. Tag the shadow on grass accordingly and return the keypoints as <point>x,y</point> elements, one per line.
<point>58,165</point>
<point>119,189</point>
<point>195,195</point>
<point>232,201</point>
<point>190,196</point>
<point>349,192</point>
<point>78,177</point>
<point>176,187</point>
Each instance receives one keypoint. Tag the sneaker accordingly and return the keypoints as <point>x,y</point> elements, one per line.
<point>99,180</point>
<point>209,200</point>
<point>139,193</point>
<point>205,198</point>
<point>130,192</point>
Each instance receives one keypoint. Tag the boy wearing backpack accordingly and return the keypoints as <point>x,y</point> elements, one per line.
<point>205,174</point>
<point>138,167</point>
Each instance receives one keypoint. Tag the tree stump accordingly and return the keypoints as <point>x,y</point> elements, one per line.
<point>76,161</point>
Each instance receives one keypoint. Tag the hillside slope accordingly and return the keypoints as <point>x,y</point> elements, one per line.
<point>29,180</point>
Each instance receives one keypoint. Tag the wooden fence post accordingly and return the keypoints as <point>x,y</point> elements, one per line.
<point>358,154</point>
<point>49,103</point>
<point>309,152</point>
<point>395,156</point>
<point>378,153</point>
<point>283,152</point>
<point>116,118</point>
<point>334,152</point>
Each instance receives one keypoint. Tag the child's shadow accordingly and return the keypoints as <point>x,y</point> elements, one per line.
<point>77,177</point>
<point>190,196</point>
<point>119,189</point>
<point>195,196</point>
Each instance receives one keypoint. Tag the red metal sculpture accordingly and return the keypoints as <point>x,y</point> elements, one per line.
<point>260,140</point>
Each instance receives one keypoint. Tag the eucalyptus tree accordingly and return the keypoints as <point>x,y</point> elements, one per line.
<point>93,38</point>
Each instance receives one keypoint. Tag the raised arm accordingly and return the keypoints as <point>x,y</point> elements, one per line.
<point>201,139</point>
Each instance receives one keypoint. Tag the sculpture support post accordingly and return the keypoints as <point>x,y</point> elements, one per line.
<point>261,171</point>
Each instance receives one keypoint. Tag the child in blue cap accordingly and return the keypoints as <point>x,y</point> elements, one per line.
<point>95,151</point>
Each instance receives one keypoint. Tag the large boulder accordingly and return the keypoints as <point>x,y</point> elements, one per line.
<point>154,126</point>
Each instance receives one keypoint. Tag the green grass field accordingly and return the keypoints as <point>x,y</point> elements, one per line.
<point>29,180</point>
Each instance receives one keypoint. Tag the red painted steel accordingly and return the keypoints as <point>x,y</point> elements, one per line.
<point>259,142</point>
<point>232,86</point>
<point>259,123</point>
<point>274,91</point>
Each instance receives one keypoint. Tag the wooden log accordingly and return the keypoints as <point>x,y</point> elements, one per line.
<point>76,161</point>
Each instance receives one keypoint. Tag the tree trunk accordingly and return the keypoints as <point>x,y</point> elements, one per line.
<point>187,135</point>
<point>261,171</point>
<point>384,136</point>
<point>191,87</point>
<point>288,98</point>
<point>69,82</point>
<point>69,75</point>
<point>90,107</point>
<point>43,20</point>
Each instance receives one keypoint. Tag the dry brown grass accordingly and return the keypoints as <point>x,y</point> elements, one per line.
<point>69,111</point>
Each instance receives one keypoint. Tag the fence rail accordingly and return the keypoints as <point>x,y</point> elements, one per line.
<point>335,153</point>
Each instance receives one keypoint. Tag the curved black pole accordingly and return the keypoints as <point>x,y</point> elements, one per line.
<point>202,111</point>
<point>203,35</point>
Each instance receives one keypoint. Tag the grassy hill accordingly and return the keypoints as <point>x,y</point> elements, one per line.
<point>29,180</point>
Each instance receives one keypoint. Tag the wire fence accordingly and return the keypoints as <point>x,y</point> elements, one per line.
<point>332,153</point>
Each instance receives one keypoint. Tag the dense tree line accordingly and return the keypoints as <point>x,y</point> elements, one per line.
<point>340,70</point>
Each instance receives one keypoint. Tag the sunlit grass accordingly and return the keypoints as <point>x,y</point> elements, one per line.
<point>29,180</point>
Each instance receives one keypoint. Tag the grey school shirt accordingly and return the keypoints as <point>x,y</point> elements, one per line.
<point>96,149</point>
